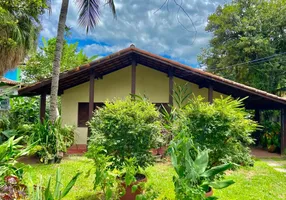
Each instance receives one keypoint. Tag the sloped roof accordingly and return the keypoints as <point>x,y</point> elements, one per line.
<point>256,98</point>
<point>8,81</point>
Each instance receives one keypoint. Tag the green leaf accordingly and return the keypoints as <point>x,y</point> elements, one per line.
<point>70,185</point>
<point>211,198</point>
<point>134,188</point>
<point>57,193</point>
<point>216,170</point>
<point>201,161</point>
<point>48,195</point>
<point>221,184</point>
<point>108,194</point>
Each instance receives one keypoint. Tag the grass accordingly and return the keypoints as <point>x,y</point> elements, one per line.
<point>259,182</point>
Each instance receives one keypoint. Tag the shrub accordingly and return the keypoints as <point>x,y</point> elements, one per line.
<point>193,177</point>
<point>223,127</point>
<point>24,110</point>
<point>126,129</point>
<point>10,151</point>
<point>52,139</point>
<point>271,135</point>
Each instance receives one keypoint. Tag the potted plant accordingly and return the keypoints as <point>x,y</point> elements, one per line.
<point>194,178</point>
<point>13,188</point>
<point>126,129</point>
<point>271,136</point>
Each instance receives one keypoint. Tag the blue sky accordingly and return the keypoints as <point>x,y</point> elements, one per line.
<point>141,23</point>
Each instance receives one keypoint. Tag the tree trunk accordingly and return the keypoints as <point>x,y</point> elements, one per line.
<point>57,60</point>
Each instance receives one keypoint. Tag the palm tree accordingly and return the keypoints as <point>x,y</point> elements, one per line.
<point>88,18</point>
<point>19,29</point>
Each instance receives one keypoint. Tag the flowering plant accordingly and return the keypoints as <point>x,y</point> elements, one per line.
<point>13,189</point>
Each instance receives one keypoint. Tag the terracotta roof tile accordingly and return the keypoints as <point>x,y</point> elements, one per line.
<point>8,81</point>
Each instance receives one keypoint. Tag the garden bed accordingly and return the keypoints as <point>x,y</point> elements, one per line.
<point>258,182</point>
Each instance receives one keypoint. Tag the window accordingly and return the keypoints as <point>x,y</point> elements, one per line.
<point>161,105</point>
<point>83,113</point>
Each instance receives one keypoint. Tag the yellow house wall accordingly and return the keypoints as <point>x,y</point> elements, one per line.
<point>149,82</point>
<point>116,84</point>
<point>153,84</point>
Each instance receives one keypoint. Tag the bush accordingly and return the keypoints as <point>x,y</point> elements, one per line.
<point>126,129</point>
<point>10,151</point>
<point>52,139</point>
<point>223,127</point>
<point>24,110</point>
<point>193,178</point>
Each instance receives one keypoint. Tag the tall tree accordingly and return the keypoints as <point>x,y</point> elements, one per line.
<point>249,43</point>
<point>88,18</point>
<point>40,64</point>
<point>19,29</point>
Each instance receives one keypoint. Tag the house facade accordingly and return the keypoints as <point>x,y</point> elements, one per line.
<point>150,83</point>
<point>135,71</point>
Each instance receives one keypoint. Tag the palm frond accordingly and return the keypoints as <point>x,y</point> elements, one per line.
<point>112,7</point>
<point>88,13</point>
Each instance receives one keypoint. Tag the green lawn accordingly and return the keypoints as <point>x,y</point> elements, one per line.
<point>260,182</point>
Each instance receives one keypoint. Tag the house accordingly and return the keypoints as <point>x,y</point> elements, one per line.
<point>7,88</point>
<point>135,71</point>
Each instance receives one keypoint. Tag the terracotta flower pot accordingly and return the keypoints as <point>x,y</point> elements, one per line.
<point>128,189</point>
<point>162,150</point>
<point>209,193</point>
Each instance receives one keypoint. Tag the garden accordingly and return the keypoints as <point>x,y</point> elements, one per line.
<point>137,150</point>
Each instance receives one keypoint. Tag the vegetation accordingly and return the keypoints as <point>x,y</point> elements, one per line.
<point>52,140</point>
<point>126,129</point>
<point>106,182</point>
<point>194,176</point>
<point>248,43</point>
<point>20,25</point>
<point>13,188</point>
<point>271,136</point>
<point>10,151</point>
<point>250,182</point>
<point>19,121</point>
<point>59,191</point>
<point>223,127</point>
<point>39,65</point>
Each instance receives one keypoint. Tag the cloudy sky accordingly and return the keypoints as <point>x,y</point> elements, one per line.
<point>166,31</point>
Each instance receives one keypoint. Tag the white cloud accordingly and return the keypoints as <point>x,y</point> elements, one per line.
<point>139,23</point>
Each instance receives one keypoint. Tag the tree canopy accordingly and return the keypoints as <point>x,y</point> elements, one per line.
<point>19,29</point>
<point>40,64</point>
<point>249,43</point>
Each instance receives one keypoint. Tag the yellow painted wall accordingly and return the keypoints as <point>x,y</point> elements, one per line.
<point>149,82</point>
<point>153,84</point>
<point>116,84</point>
<point>194,88</point>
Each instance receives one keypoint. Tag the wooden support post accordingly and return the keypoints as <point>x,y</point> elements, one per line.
<point>210,94</point>
<point>171,86</point>
<point>257,133</point>
<point>91,94</point>
<point>283,130</point>
<point>257,115</point>
<point>43,107</point>
<point>133,78</point>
